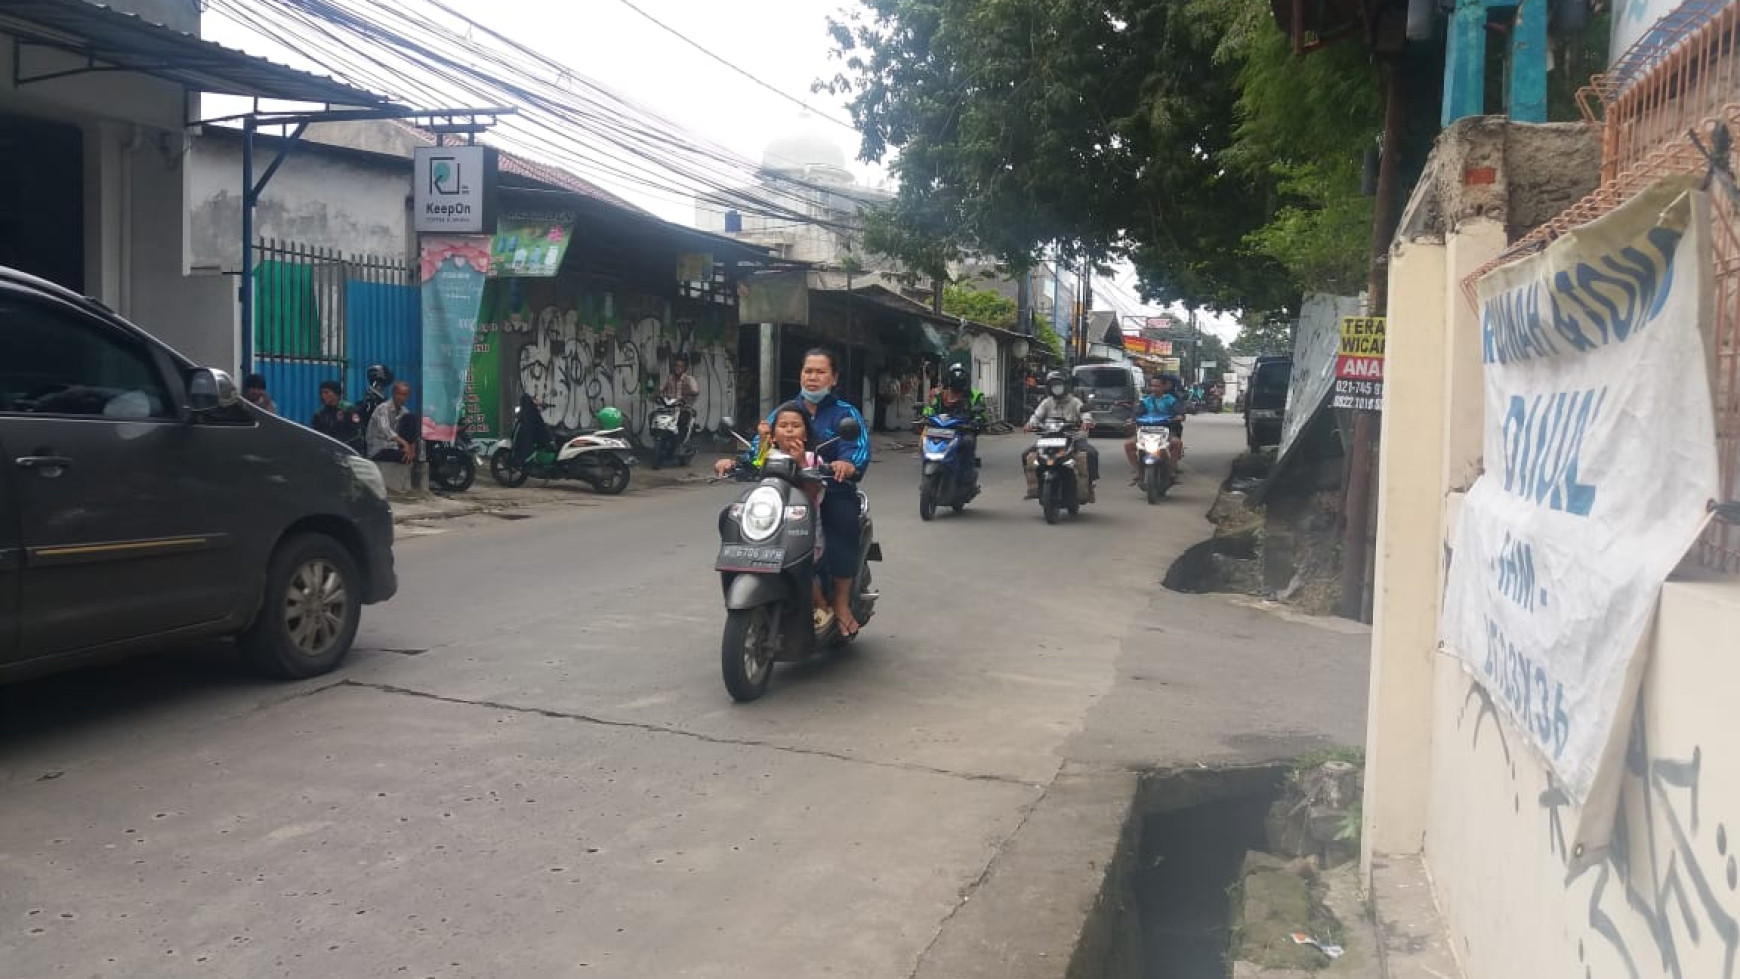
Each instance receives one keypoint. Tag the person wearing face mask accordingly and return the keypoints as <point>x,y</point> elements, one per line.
<point>1060,403</point>
<point>846,460</point>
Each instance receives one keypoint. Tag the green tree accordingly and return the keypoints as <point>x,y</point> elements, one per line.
<point>1261,333</point>
<point>1180,135</point>
<point>981,305</point>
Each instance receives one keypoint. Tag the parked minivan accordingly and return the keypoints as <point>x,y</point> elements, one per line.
<point>144,504</point>
<point>1111,392</point>
<point>1266,402</point>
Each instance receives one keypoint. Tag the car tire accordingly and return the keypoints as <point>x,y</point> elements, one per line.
<point>309,609</point>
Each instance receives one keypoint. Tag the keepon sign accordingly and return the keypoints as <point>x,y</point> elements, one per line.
<point>453,189</point>
<point>1600,463</point>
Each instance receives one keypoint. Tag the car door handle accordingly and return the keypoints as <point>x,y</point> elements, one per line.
<point>44,462</point>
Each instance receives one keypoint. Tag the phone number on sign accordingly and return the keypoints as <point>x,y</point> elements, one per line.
<point>1523,684</point>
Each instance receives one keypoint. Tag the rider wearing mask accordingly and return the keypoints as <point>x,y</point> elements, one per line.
<point>1162,399</point>
<point>846,459</point>
<point>1060,403</point>
<point>957,397</point>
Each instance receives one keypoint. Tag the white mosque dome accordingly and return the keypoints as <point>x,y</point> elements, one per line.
<point>808,148</point>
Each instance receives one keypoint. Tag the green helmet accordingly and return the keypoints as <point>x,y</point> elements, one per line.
<point>609,417</point>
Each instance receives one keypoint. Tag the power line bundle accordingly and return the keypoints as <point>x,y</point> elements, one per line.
<point>426,54</point>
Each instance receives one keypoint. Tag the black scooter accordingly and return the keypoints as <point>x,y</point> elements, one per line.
<point>767,564</point>
<point>452,465</point>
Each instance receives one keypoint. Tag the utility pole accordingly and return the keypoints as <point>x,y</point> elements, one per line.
<point>1356,500</point>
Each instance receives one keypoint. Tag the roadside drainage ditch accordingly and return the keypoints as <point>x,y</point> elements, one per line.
<point>1221,867</point>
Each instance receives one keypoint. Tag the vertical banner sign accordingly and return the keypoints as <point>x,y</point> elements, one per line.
<point>1359,364</point>
<point>454,269</point>
<point>1600,463</point>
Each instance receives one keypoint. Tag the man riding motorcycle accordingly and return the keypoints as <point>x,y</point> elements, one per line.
<point>849,460</point>
<point>957,397</point>
<point>1060,403</point>
<point>682,386</point>
<point>1162,399</point>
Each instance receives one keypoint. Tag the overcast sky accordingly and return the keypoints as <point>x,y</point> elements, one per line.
<point>782,42</point>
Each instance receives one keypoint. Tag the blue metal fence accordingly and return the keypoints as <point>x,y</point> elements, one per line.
<point>321,316</point>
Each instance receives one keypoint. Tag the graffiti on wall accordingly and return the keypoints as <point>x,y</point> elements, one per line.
<point>1665,892</point>
<point>573,370</point>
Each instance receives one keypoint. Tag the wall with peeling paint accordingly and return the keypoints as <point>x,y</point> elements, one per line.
<point>1447,777</point>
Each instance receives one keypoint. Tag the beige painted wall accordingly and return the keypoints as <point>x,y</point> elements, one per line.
<point>1447,777</point>
<point>1663,901</point>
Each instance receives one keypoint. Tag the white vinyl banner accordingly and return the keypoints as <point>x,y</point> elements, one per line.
<point>1600,463</point>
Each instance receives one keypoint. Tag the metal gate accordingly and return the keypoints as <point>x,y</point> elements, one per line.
<point>322,316</point>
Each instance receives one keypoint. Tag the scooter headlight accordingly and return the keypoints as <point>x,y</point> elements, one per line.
<point>762,513</point>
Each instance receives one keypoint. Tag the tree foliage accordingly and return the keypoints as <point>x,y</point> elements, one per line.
<point>1179,134</point>
<point>1261,333</point>
<point>980,305</point>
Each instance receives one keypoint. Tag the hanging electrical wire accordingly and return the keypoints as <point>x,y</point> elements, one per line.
<point>424,52</point>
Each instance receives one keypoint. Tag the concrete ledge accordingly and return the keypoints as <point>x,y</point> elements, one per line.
<point>1412,940</point>
<point>1050,904</point>
<point>398,478</point>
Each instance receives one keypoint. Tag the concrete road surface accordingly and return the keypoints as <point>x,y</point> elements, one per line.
<point>529,767</point>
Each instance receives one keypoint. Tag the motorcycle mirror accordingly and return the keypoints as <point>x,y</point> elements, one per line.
<point>848,428</point>
<point>727,422</point>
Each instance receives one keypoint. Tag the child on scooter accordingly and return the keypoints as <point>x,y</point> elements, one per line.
<point>790,433</point>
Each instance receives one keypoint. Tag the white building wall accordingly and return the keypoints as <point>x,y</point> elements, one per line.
<point>316,198</point>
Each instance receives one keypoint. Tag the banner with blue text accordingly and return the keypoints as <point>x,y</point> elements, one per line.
<point>1600,463</point>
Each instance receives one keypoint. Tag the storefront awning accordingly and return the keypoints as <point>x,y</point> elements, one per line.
<point>110,40</point>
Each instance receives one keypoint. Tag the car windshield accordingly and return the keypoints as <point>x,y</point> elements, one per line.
<point>1106,379</point>
<point>1270,379</point>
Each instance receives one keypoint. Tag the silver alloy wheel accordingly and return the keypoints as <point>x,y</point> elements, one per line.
<point>316,604</point>
<point>757,656</point>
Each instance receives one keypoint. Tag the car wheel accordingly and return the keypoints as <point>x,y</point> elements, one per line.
<point>309,610</point>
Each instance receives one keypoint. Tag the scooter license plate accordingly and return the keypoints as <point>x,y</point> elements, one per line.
<point>1053,443</point>
<point>939,433</point>
<point>751,557</point>
<point>665,423</point>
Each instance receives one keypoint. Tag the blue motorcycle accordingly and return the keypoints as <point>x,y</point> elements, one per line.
<point>950,474</point>
<point>1154,452</point>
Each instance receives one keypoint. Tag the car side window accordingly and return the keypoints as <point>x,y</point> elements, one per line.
<point>55,362</point>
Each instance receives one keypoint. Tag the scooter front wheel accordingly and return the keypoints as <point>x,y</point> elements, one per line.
<point>746,652</point>
<point>1158,483</point>
<point>927,498</point>
<point>1048,501</point>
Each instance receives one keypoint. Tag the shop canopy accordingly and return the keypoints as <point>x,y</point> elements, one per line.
<point>109,41</point>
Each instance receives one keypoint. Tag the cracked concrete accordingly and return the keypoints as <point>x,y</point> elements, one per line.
<point>558,786</point>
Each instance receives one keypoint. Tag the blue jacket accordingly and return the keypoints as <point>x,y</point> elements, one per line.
<point>828,414</point>
<point>1166,404</point>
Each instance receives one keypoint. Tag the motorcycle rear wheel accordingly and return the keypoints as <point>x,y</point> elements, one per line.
<point>501,466</point>
<point>454,472</point>
<point>746,652</point>
<point>614,476</point>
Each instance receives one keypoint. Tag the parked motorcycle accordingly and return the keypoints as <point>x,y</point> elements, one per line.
<point>949,475</point>
<point>1062,470</point>
<point>1154,452</point>
<point>768,552</point>
<point>600,457</point>
<point>452,465</point>
<point>672,441</point>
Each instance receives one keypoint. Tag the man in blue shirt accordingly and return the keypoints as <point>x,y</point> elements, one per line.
<point>1162,399</point>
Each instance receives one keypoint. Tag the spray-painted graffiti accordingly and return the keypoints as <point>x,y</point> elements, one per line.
<point>1664,894</point>
<point>574,370</point>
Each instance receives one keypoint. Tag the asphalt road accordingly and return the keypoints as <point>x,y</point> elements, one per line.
<point>530,767</point>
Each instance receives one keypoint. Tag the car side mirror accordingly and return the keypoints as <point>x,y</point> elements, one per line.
<point>209,389</point>
<point>848,429</point>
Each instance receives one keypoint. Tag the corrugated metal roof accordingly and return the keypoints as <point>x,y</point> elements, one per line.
<point>116,39</point>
